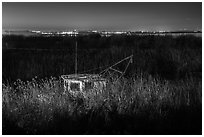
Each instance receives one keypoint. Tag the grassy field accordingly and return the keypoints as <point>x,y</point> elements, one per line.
<point>161,92</point>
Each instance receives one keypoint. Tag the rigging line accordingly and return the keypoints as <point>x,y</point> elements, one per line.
<point>94,69</point>
<point>117,63</point>
<point>107,66</point>
<point>103,72</point>
<point>130,61</point>
<point>116,70</point>
<point>122,60</point>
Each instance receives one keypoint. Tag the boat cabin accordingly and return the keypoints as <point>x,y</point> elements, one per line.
<point>83,83</point>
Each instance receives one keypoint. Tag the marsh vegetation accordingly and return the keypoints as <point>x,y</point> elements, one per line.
<point>161,93</point>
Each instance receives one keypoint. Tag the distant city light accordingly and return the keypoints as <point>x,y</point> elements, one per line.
<point>106,33</point>
<point>35,31</point>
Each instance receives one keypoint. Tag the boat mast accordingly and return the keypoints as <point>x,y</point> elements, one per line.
<point>75,54</point>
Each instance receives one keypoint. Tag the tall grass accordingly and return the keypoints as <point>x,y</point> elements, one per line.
<point>37,107</point>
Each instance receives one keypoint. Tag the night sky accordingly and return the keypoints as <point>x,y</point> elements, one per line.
<point>102,16</point>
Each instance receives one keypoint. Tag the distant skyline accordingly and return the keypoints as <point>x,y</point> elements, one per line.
<point>130,16</point>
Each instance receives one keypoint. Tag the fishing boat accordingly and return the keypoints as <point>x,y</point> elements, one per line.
<point>83,84</point>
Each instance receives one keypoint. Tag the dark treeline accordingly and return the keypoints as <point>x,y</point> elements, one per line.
<point>54,42</point>
<point>164,56</point>
<point>96,41</point>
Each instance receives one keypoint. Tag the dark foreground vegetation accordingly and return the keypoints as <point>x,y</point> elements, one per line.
<point>161,92</point>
